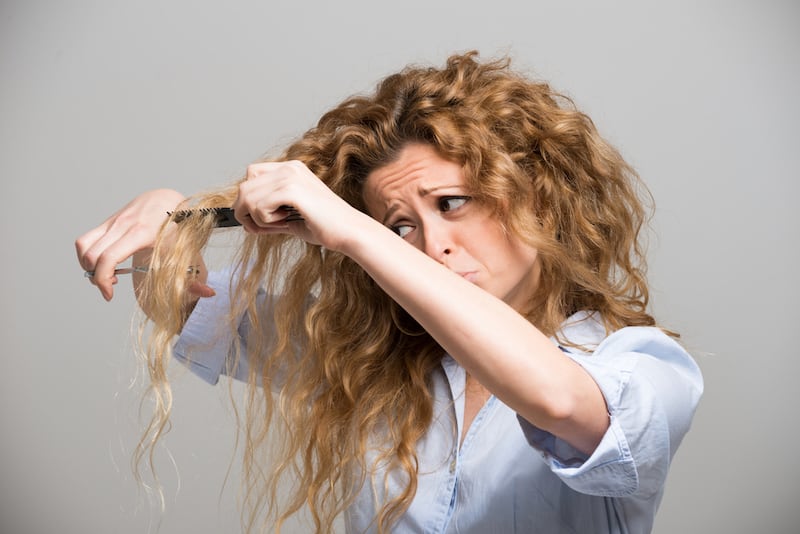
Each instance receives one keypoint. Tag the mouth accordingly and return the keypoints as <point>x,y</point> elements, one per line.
<point>469,276</point>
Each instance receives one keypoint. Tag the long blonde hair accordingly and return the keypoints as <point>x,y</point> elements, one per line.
<point>349,368</point>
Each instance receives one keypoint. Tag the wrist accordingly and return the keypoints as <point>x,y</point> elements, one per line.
<point>368,237</point>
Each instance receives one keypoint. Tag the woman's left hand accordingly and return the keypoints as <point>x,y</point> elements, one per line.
<point>275,190</point>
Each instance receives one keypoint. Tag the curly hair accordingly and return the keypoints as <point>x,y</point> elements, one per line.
<point>348,371</point>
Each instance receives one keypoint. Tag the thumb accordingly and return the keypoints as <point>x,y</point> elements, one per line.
<point>199,289</point>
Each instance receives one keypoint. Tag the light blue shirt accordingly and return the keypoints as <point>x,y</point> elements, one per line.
<point>507,475</point>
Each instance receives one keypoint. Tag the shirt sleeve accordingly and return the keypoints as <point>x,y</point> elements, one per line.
<point>651,387</point>
<point>209,342</point>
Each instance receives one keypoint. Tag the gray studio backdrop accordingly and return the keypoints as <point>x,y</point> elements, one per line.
<point>100,101</point>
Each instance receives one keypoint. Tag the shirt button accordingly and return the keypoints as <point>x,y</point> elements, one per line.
<point>453,466</point>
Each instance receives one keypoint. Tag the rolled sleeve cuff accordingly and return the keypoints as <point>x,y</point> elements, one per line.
<point>651,387</point>
<point>609,471</point>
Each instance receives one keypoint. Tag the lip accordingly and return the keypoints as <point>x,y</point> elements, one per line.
<point>468,275</point>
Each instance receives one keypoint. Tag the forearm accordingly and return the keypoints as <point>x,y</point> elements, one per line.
<point>491,340</point>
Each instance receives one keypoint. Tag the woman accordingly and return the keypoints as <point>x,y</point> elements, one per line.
<point>460,342</point>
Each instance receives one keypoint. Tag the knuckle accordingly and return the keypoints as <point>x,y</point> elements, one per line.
<point>138,231</point>
<point>254,170</point>
<point>297,166</point>
<point>102,258</point>
<point>245,189</point>
<point>139,236</point>
<point>125,219</point>
<point>90,259</point>
<point>259,215</point>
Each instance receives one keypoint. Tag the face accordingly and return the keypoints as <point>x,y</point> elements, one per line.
<point>424,199</point>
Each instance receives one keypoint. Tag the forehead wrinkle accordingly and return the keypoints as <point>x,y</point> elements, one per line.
<point>393,178</point>
<point>422,191</point>
<point>392,182</point>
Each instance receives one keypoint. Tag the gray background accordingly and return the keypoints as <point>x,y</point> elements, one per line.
<point>100,101</point>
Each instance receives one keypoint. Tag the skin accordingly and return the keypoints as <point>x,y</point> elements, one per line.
<point>424,198</point>
<point>467,311</point>
<point>454,270</point>
<point>130,232</point>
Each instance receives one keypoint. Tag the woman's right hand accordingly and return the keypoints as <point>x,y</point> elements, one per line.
<point>131,230</point>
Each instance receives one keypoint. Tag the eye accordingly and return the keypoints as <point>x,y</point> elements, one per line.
<point>402,229</point>
<point>452,203</point>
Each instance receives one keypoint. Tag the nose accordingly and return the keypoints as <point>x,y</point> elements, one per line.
<point>438,240</point>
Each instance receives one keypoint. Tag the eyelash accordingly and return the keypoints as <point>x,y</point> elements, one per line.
<point>443,206</point>
<point>442,202</point>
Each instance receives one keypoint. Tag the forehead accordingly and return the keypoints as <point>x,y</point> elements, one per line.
<point>417,171</point>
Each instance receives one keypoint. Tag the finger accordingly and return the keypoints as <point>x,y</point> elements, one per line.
<point>85,243</point>
<point>104,277</point>
<point>264,228</point>
<point>111,255</point>
<point>201,290</point>
<point>102,242</point>
<point>267,196</point>
<point>270,218</point>
<point>248,224</point>
<point>249,215</point>
<point>255,170</point>
<point>264,211</point>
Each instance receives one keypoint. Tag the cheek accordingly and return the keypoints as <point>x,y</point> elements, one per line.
<point>527,255</point>
<point>496,245</point>
<point>515,255</point>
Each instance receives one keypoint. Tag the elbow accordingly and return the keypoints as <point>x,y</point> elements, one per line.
<point>557,413</point>
<point>581,422</point>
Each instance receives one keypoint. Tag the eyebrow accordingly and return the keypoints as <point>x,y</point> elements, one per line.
<point>423,192</point>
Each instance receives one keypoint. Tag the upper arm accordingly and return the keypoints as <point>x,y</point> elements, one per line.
<point>651,387</point>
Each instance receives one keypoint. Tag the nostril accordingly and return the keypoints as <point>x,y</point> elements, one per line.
<point>447,251</point>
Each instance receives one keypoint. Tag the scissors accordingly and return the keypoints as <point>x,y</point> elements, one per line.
<point>223,218</point>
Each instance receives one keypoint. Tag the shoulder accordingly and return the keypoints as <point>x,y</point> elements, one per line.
<point>651,386</point>
<point>584,333</point>
<point>647,349</point>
